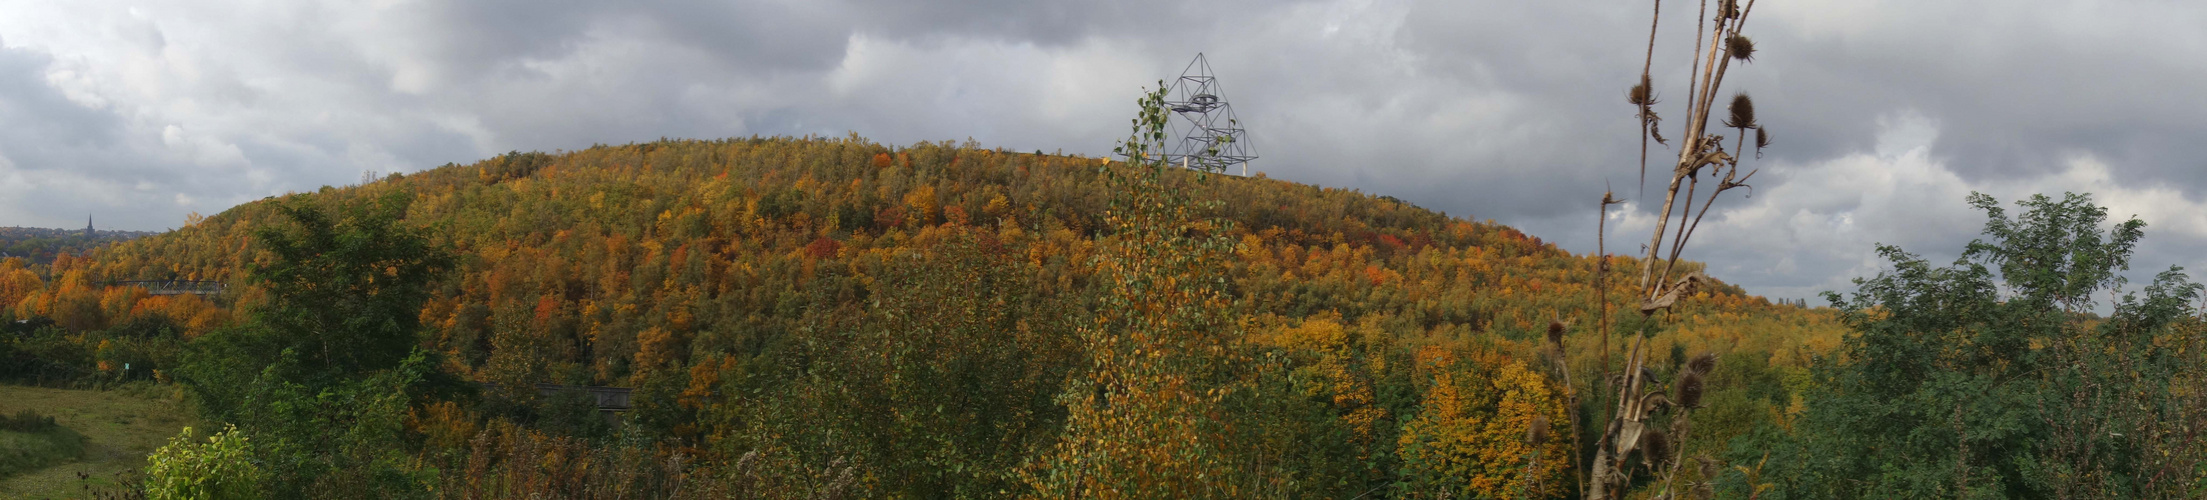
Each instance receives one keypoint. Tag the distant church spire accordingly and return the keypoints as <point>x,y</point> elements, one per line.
<point>88,226</point>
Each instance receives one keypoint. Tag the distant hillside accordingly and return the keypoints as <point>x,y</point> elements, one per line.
<point>40,245</point>
<point>691,207</point>
<point>728,280</point>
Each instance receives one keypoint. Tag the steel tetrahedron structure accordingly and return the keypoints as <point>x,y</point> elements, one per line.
<point>1204,133</point>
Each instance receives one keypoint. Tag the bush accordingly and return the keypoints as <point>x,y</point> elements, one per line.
<point>27,421</point>
<point>221,468</point>
<point>46,356</point>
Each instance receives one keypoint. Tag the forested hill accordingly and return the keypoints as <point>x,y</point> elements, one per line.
<point>728,280</point>
<point>40,245</point>
<point>726,226</point>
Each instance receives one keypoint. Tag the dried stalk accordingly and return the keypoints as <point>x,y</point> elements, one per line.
<point>1601,276</point>
<point>1646,100</point>
<point>1715,45</point>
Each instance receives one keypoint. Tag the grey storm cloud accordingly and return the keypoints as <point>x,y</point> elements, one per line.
<point>1886,112</point>
<point>61,125</point>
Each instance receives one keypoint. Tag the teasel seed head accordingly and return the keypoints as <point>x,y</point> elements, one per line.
<point>1689,390</point>
<point>1536,431</point>
<point>1641,94</point>
<point>1762,140</point>
<point>1654,401</point>
<point>1655,447</point>
<point>1702,363</point>
<point>1741,48</point>
<point>1743,112</point>
<point>1555,334</point>
<point>1727,9</point>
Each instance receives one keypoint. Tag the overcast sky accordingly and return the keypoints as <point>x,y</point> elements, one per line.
<point>1886,113</point>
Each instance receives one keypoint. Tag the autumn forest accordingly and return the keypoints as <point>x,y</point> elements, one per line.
<point>830,317</point>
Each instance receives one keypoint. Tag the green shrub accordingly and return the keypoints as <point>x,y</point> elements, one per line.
<point>27,421</point>
<point>47,355</point>
<point>221,468</point>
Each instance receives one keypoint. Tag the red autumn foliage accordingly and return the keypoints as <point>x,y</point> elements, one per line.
<point>822,248</point>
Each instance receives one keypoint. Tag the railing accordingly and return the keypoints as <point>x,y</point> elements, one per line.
<point>173,287</point>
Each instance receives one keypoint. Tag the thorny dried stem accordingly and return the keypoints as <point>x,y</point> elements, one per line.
<point>1601,276</point>
<point>1648,121</point>
<point>1698,152</point>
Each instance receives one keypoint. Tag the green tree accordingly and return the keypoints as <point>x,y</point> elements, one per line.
<point>346,288</point>
<point>1143,420</point>
<point>947,381</point>
<point>325,369</point>
<point>1993,378</point>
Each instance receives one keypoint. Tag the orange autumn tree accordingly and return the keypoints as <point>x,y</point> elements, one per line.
<point>74,301</point>
<point>17,282</point>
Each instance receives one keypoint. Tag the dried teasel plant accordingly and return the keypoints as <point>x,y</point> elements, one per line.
<point>1641,94</point>
<point>1702,157</point>
<point>1741,48</point>
<point>1702,363</point>
<point>1762,140</point>
<point>1536,435</point>
<point>1540,426</point>
<point>1655,448</point>
<point>1704,485</point>
<point>1742,113</point>
<point>1689,390</point>
<point>1692,377</point>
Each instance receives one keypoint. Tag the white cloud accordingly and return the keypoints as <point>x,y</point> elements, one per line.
<point>1886,112</point>
<point>1813,227</point>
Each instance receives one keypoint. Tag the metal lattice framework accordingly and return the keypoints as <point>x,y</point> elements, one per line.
<point>1205,134</point>
<point>172,287</point>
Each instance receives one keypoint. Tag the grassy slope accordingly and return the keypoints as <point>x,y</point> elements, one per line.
<point>27,451</point>
<point>123,427</point>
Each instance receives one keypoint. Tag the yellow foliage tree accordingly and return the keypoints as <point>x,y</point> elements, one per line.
<point>1145,422</point>
<point>1471,438</point>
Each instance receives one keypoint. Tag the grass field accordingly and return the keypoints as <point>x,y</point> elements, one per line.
<point>121,427</point>
<point>37,445</point>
